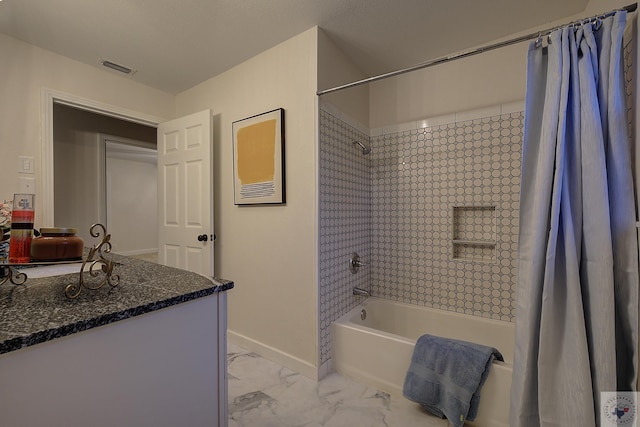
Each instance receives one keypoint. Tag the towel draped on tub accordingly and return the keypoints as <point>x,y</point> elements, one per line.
<point>445,376</point>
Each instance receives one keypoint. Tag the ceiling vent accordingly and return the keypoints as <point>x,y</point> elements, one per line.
<point>120,68</point>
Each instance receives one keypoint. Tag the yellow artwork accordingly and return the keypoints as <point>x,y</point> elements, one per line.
<point>256,146</point>
<point>258,153</point>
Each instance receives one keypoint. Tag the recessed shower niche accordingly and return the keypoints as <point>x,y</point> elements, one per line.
<point>474,233</point>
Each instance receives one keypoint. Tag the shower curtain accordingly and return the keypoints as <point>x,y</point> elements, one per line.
<point>577,297</point>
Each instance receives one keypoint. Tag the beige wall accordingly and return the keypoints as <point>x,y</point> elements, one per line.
<point>487,79</point>
<point>335,69</point>
<point>268,251</point>
<point>25,71</point>
<point>79,201</point>
<point>600,6</point>
<point>490,78</point>
<point>132,200</point>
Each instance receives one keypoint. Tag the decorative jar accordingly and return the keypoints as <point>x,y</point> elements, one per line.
<point>57,244</point>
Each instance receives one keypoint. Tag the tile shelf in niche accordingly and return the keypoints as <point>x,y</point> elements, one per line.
<point>474,242</point>
<point>477,251</point>
<point>474,233</point>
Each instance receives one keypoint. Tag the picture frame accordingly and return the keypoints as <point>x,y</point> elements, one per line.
<point>258,159</point>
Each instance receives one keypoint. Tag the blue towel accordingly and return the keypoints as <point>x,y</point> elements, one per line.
<point>445,377</point>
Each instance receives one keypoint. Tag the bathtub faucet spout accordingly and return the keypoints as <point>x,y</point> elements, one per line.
<point>361,292</point>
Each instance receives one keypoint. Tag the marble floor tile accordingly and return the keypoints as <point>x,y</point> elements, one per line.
<point>265,394</point>
<point>151,256</point>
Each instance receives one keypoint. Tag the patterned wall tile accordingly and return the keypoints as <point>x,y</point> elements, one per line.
<point>395,207</point>
<point>419,177</point>
<point>345,221</point>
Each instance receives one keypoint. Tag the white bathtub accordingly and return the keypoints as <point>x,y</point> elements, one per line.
<point>377,350</point>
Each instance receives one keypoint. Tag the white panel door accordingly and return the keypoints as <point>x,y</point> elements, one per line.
<point>185,199</point>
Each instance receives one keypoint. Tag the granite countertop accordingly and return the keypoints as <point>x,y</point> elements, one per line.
<point>39,311</point>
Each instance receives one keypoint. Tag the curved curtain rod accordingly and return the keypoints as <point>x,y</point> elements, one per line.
<point>442,60</point>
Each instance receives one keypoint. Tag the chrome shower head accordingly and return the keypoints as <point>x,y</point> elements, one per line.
<point>365,149</point>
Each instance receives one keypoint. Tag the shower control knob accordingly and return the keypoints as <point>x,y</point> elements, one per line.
<point>355,263</point>
<point>203,238</point>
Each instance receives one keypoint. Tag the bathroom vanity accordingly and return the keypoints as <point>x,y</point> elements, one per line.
<point>148,352</point>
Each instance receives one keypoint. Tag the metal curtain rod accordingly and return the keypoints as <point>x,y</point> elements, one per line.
<point>442,60</point>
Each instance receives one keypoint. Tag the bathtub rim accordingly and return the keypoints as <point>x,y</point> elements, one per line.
<point>346,321</point>
<point>388,375</point>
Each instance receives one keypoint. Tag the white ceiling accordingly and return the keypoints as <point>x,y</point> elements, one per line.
<point>176,44</point>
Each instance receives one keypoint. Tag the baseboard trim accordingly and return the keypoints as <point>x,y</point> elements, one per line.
<point>325,369</point>
<point>295,364</point>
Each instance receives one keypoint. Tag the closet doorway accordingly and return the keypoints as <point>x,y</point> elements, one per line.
<point>105,170</point>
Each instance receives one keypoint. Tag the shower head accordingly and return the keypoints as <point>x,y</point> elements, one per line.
<point>365,149</point>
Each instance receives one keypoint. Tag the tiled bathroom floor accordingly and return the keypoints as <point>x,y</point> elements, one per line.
<point>151,257</point>
<point>265,394</point>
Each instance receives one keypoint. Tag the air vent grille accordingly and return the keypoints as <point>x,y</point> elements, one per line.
<point>118,67</point>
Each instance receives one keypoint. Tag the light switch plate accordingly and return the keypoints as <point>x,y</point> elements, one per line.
<point>25,164</point>
<point>27,185</point>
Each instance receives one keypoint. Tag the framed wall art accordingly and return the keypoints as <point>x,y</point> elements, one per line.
<point>258,159</point>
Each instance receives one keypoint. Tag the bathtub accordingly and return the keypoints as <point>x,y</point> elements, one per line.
<point>377,350</point>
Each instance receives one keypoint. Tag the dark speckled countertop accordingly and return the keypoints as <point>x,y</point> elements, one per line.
<point>39,311</point>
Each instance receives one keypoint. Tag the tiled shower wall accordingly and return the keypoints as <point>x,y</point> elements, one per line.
<point>445,215</point>
<point>395,206</point>
<point>345,221</point>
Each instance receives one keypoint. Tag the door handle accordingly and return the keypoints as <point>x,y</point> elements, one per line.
<point>203,238</point>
